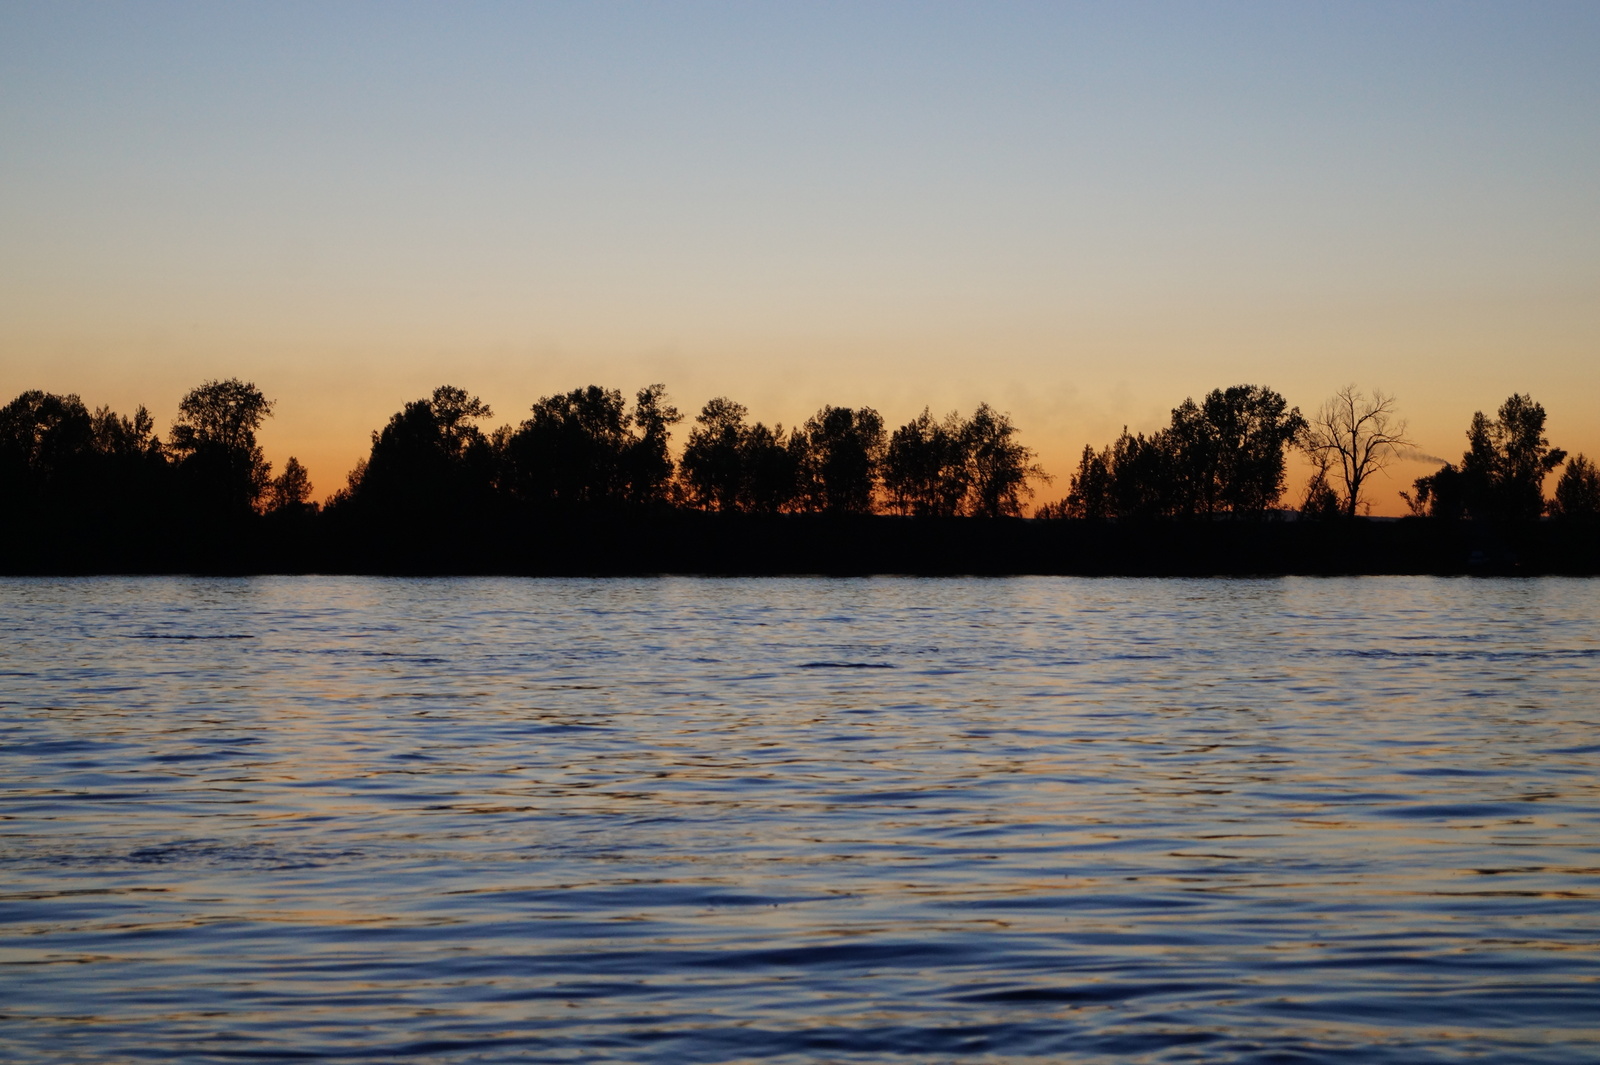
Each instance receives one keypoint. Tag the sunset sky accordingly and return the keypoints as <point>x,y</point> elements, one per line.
<point>1081,213</point>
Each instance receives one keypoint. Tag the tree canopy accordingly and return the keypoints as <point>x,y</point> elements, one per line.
<point>213,441</point>
<point>1578,490</point>
<point>1223,455</point>
<point>435,463</point>
<point>1501,474</point>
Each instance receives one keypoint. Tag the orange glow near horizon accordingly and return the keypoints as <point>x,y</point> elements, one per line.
<point>1064,389</point>
<point>1079,214</point>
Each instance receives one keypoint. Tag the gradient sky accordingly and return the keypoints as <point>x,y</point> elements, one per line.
<point>1081,213</point>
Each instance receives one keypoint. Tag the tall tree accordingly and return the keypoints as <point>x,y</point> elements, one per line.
<point>454,411</point>
<point>838,451</point>
<point>1001,467</point>
<point>1509,456</point>
<point>1351,438</point>
<point>1144,484</point>
<point>1089,492</point>
<point>430,462</point>
<point>770,470</point>
<point>1578,490</point>
<point>98,480</point>
<point>580,449</point>
<point>1224,455</point>
<point>134,476</point>
<point>1189,446</point>
<point>133,437</point>
<point>647,463</point>
<point>569,453</point>
<point>46,448</point>
<point>291,490</point>
<point>214,440</point>
<point>927,468</point>
<point>1251,426</point>
<point>1502,472</point>
<point>713,459</point>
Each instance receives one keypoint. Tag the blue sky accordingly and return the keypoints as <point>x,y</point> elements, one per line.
<point>1081,212</point>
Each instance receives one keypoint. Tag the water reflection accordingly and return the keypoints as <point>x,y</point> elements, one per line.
<point>810,819</point>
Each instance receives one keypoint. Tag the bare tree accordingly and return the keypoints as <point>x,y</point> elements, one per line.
<point>1353,437</point>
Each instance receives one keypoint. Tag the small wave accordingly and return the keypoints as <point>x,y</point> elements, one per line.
<point>1484,655</point>
<point>1085,992</point>
<point>1472,810</point>
<point>188,636</point>
<point>846,665</point>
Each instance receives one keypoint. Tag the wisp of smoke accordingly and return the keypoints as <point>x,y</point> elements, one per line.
<point>1413,455</point>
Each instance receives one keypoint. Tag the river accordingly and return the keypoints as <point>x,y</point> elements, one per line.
<point>786,820</point>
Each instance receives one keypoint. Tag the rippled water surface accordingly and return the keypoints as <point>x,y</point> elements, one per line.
<point>800,820</point>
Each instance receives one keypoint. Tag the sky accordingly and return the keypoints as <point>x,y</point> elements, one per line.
<point>1079,212</point>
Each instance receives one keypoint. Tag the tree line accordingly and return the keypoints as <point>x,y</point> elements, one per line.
<point>584,450</point>
<point>1223,455</point>
<point>591,450</point>
<point>1227,456</point>
<point>61,461</point>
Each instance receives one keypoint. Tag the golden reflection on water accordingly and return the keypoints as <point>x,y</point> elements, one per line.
<point>1341,819</point>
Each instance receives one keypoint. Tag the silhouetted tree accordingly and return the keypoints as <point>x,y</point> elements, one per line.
<point>570,451</point>
<point>1224,455</point>
<point>927,469</point>
<point>1351,438</point>
<point>713,459</point>
<point>579,449</point>
<point>430,463</point>
<point>1502,473</point>
<point>1441,494</point>
<point>342,499</point>
<point>134,475</point>
<point>132,438</point>
<point>99,481</point>
<point>647,464</point>
<point>1320,501</point>
<point>1578,490</point>
<point>1143,483</point>
<point>771,470</point>
<point>730,466</point>
<point>1001,467</point>
<point>454,411</point>
<point>221,468</point>
<point>1250,427</point>
<point>837,453</point>
<point>1188,446</point>
<point>1089,492</point>
<point>1511,457</point>
<point>290,492</point>
<point>46,450</point>
<point>1146,482</point>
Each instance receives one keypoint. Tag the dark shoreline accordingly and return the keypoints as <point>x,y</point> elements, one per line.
<point>693,542</point>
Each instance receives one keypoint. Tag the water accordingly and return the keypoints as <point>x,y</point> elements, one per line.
<point>800,820</point>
